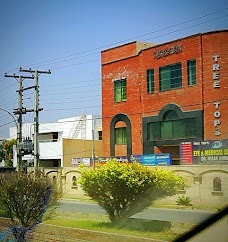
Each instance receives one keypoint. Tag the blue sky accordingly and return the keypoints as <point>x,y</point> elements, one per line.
<point>67,38</point>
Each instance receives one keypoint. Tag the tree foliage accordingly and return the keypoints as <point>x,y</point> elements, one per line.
<point>25,199</point>
<point>6,151</point>
<point>124,189</point>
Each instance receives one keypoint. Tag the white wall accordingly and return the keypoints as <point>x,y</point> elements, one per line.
<point>64,127</point>
<point>51,150</point>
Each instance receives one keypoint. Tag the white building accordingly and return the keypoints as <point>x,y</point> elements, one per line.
<point>51,135</point>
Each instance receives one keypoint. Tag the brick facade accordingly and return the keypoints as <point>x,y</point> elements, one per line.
<point>131,62</point>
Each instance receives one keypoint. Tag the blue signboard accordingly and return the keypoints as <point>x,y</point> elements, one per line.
<point>163,159</point>
<point>147,160</point>
<point>154,159</point>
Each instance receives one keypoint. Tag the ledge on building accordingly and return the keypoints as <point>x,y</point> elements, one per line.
<point>181,192</point>
<point>217,193</point>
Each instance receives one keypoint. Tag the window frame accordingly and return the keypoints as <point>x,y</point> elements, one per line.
<point>150,80</point>
<point>174,81</point>
<point>191,76</point>
<point>121,90</point>
<point>156,130</point>
<point>121,136</point>
<point>217,184</point>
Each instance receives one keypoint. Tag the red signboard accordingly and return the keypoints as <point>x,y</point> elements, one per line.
<point>186,153</point>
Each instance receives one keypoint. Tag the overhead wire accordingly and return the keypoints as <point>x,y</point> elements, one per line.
<point>108,89</point>
<point>145,34</point>
<point>135,37</point>
<point>85,107</point>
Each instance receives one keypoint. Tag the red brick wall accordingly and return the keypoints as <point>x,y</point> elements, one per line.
<point>118,53</point>
<point>127,68</point>
<point>188,98</point>
<point>140,104</point>
<point>215,44</point>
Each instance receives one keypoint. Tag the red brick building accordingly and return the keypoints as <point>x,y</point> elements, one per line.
<point>155,97</point>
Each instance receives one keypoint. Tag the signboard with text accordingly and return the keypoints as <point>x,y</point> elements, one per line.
<point>210,152</point>
<point>147,160</point>
<point>77,161</point>
<point>157,160</point>
<point>204,152</point>
<point>186,153</point>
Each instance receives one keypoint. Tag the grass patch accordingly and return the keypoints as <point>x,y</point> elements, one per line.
<point>195,205</point>
<point>135,227</point>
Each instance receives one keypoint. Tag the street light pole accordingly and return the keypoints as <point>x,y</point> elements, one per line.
<point>18,126</point>
<point>10,115</point>
<point>19,123</point>
<point>93,146</point>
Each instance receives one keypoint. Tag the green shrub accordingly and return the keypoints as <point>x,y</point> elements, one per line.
<point>124,189</point>
<point>25,198</point>
<point>184,200</point>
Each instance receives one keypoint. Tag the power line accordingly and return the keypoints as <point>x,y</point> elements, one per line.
<point>102,99</point>
<point>111,88</point>
<point>76,82</point>
<point>92,85</point>
<point>133,38</point>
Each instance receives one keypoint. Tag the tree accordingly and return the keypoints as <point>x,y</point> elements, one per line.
<point>6,152</point>
<point>124,189</point>
<point>25,199</point>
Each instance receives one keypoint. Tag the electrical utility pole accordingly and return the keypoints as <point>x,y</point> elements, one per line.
<point>36,112</point>
<point>19,111</point>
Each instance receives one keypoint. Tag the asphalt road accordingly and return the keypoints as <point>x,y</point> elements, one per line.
<point>171,215</point>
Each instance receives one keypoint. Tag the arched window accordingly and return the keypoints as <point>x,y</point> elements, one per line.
<point>170,115</point>
<point>217,185</point>
<point>54,179</point>
<point>171,126</point>
<point>74,181</point>
<point>120,133</point>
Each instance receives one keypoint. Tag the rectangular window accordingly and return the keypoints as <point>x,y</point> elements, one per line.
<point>150,81</point>
<point>190,130</point>
<point>153,131</point>
<point>120,136</point>
<point>100,135</point>
<point>120,90</point>
<point>166,130</point>
<point>191,72</point>
<point>178,129</point>
<point>170,77</point>
<point>55,136</point>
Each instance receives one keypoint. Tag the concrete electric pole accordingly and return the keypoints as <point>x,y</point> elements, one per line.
<point>36,112</point>
<point>19,111</point>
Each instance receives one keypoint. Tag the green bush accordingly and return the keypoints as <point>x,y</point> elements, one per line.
<point>124,189</point>
<point>25,199</point>
<point>184,200</point>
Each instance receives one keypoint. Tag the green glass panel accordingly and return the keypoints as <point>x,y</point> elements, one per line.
<point>120,90</point>
<point>170,115</point>
<point>190,127</point>
<point>179,129</point>
<point>120,136</point>
<point>166,130</point>
<point>191,72</point>
<point>165,78</point>
<point>170,77</point>
<point>153,131</point>
<point>176,76</point>
<point>150,81</point>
